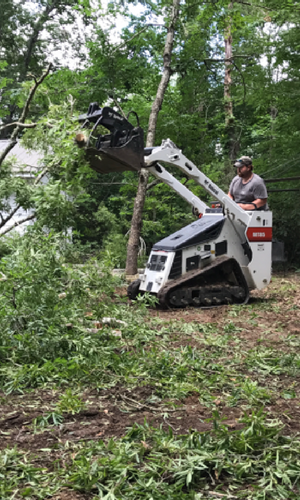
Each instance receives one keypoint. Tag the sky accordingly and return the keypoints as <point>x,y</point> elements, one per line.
<point>66,53</point>
<point>113,24</point>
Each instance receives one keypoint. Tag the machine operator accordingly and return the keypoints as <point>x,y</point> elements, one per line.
<point>247,189</point>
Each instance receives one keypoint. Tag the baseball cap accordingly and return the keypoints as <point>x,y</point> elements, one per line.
<point>243,160</point>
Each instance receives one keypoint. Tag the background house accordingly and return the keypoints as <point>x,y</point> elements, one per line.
<point>26,165</point>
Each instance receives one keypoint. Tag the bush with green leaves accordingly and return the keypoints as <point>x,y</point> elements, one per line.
<point>43,300</point>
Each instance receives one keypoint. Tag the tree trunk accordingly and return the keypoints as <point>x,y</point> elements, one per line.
<point>136,222</point>
<point>36,31</point>
<point>233,145</point>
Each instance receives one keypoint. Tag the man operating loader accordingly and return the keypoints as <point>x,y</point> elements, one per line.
<point>247,189</point>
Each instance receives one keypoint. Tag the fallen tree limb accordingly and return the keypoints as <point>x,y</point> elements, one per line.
<point>142,405</point>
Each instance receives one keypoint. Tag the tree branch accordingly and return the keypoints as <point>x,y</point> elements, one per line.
<point>18,223</point>
<point>229,59</point>
<point>32,92</point>
<point>243,80</point>
<point>118,106</point>
<point>18,124</point>
<point>152,184</point>
<point>135,35</point>
<point>14,135</point>
<point>11,214</point>
<point>212,71</point>
<point>33,38</point>
<point>39,177</point>
<point>262,7</point>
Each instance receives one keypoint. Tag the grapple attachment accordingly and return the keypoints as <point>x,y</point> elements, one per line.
<point>120,150</point>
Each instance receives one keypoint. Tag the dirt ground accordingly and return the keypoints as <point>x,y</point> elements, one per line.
<point>108,416</point>
<point>111,412</point>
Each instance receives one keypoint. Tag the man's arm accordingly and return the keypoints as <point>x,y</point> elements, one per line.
<point>261,194</point>
<point>259,202</point>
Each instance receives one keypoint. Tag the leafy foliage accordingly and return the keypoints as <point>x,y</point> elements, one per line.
<point>151,463</point>
<point>65,329</point>
<point>124,74</point>
<point>55,337</point>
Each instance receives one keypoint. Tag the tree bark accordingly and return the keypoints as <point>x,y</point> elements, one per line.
<point>233,145</point>
<point>137,221</point>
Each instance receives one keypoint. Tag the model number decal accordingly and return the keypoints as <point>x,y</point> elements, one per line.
<point>259,234</point>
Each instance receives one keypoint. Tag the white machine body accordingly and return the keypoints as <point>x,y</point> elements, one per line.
<point>229,231</point>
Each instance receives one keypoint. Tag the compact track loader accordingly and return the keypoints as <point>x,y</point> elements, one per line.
<point>215,260</point>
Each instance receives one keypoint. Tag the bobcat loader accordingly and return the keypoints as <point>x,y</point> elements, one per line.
<point>215,260</point>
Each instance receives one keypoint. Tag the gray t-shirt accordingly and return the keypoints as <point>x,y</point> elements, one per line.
<point>247,193</point>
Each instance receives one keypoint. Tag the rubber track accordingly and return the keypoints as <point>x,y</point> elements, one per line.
<point>184,280</point>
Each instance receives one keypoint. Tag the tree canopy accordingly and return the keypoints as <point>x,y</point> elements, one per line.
<point>254,112</point>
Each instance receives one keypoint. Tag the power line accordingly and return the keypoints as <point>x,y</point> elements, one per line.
<point>281,190</point>
<point>289,162</point>
<point>283,179</point>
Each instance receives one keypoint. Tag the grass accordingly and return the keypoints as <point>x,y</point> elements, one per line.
<point>58,359</point>
<point>256,462</point>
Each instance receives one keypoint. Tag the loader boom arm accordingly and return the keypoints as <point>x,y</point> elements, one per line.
<point>169,153</point>
<point>123,149</point>
<point>161,173</point>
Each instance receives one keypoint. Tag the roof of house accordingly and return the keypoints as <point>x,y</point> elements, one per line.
<point>26,161</point>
